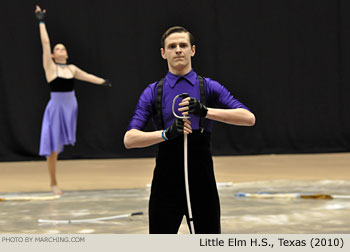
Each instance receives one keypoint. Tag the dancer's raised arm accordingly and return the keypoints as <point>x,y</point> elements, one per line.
<point>48,63</point>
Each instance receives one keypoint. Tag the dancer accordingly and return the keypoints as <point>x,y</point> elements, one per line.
<point>59,122</point>
<point>167,204</point>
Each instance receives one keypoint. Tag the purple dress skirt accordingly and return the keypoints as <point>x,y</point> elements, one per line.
<point>59,123</point>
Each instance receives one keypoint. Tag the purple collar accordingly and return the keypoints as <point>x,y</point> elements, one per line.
<point>172,79</point>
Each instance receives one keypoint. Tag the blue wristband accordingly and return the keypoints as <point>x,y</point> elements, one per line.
<point>163,136</point>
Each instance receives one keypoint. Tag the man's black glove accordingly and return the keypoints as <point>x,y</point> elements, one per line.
<point>184,95</point>
<point>107,83</point>
<point>175,129</point>
<point>197,108</point>
<point>40,15</point>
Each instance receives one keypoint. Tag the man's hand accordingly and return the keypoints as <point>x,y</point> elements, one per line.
<point>40,15</point>
<point>178,127</point>
<point>191,105</point>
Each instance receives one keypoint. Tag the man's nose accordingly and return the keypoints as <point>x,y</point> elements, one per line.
<point>178,48</point>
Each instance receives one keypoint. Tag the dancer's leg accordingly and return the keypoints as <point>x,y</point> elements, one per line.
<point>51,163</point>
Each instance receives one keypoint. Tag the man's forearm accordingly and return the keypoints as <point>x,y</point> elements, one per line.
<point>238,116</point>
<point>137,139</point>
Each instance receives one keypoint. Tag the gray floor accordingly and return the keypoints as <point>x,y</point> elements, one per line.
<point>239,215</point>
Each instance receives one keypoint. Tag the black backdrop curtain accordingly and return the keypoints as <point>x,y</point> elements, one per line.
<point>287,60</point>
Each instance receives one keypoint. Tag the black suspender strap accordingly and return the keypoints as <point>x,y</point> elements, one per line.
<point>202,93</point>
<point>159,103</point>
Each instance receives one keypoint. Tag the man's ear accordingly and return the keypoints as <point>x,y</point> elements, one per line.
<point>193,49</point>
<point>162,52</point>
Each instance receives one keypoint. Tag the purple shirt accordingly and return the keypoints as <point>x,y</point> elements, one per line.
<point>217,96</point>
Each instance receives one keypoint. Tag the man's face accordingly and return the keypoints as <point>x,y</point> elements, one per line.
<point>178,51</point>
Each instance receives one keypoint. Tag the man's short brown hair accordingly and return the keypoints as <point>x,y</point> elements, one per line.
<point>175,29</point>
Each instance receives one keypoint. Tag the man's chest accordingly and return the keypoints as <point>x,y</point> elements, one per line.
<point>169,94</point>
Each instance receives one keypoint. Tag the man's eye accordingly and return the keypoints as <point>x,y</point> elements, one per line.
<point>183,45</point>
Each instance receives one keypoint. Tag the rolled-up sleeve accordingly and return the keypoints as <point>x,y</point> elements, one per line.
<point>143,110</point>
<point>220,97</point>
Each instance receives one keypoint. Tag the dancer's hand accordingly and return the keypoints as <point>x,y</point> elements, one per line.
<point>107,83</point>
<point>191,105</point>
<point>178,127</point>
<point>40,14</point>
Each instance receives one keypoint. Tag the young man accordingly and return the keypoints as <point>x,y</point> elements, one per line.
<point>167,204</point>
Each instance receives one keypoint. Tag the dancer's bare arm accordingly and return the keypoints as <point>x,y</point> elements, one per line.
<point>84,76</point>
<point>48,63</point>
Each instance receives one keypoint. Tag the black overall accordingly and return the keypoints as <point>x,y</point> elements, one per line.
<point>167,204</point>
